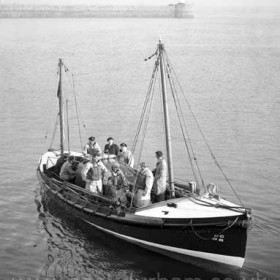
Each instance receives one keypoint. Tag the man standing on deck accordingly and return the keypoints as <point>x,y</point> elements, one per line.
<point>92,148</point>
<point>143,195</point>
<point>159,186</point>
<point>92,174</point>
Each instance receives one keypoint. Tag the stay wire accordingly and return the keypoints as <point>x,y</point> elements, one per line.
<point>54,131</point>
<point>143,112</point>
<point>72,82</point>
<point>184,126</point>
<point>76,106</point>
<point>147,117</point>
<point>68,129</point>
<point>204,138</point>
<point>144,109</point>
<point>178,111</point>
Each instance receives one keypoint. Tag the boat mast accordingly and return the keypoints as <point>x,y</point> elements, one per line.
<point>59,95</point>
<point>166,120</point>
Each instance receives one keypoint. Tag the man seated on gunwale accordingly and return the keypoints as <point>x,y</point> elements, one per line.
<point>68,170</point>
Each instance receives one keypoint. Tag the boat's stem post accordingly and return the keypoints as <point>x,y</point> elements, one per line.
<point>166,121</point>
<point>59,94</point>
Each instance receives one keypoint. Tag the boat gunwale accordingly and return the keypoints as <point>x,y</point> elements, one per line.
<point>130,218</point>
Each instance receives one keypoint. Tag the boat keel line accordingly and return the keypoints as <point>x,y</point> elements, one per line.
<point>177,253</point>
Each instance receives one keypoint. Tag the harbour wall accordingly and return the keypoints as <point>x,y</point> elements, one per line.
<point>180,10</point>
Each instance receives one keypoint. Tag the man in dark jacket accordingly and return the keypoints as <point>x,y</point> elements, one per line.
<point>111,148</point>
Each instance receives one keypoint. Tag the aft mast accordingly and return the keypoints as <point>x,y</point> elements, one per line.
<point>166,120</point>
<point>61,118</point>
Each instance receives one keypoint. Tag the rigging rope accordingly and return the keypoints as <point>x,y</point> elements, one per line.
<point>68,131</point>
<point>72,86</point>
<point>144,108</point>
<point>201,132</point>
<point>183,125</point>
<point>76,106</point>
<point>182,129</point>
<point>147,116</point>
<point>72,82</point>
<point>54,131</point>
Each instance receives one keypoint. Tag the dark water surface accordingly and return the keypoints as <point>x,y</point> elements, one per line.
<point>229,67</point>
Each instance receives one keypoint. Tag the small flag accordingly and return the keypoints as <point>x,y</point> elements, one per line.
<point>59,89</point>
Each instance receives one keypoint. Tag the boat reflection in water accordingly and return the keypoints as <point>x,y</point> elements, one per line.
<point>193,223</point>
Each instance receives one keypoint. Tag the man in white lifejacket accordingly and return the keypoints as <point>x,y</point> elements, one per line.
<point>143,195</point>
<point>93,173</point>
<point>92,148</point>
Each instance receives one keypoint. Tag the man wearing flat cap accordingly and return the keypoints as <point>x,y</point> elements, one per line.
<point>159,186</point>
<point>111,148</point>
<point>93,173</point>
<point>125,155</point>
<point>92,148</point>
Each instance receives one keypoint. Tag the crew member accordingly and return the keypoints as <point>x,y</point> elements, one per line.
<point>159,185</point>
<point>115,184</point>
<point>92,174</point>
<point>111,148</point>
<point>92,148</point>
<point>125,155</point>
<point>143,194</point>
<point>68,172</point>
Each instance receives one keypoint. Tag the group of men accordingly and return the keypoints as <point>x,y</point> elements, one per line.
<point>92,174</point>
<point>92,148</point>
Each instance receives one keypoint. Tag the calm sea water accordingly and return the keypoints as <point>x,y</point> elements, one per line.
<point>228,63</point>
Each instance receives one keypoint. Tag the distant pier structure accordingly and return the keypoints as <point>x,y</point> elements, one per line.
<point>179,10</point>
<point>183,9</point>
